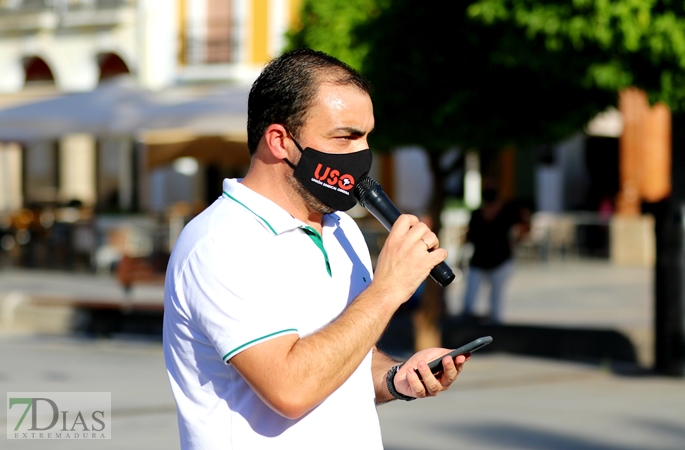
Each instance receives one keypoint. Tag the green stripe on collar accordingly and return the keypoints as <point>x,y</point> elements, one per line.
<point>257,215</point>
<point>318,240</point>
<point>309,231</point>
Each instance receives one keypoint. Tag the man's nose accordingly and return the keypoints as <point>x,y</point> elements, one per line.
<point>361,144</point>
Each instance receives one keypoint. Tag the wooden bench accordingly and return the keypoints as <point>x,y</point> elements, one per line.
<point>134,270</point>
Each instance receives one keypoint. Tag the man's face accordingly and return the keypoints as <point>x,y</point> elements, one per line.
<point>339,121</point>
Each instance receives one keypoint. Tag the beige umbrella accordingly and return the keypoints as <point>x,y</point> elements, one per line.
<point>164,146</point>
<point>211,129</point>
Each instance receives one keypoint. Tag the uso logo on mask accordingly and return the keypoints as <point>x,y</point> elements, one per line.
<point>333,178</point>
<point>330,177</point>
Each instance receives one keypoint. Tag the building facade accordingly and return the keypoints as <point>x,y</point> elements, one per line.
<point>49,48</point>
<point>78,43</point>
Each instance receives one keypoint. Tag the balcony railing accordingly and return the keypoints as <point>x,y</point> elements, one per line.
<point>29,15</point>
<point>59,6</point>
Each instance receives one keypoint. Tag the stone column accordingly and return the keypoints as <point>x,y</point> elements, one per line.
<point>10,177</point>
<point>77,168</point>
<point>645,167</point>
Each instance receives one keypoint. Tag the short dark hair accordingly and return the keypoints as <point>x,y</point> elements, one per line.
<point>287,86</point>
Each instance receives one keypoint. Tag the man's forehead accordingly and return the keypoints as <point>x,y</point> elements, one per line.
<point>337,96</point>
<point>340,107</point>
<point>329,82</point>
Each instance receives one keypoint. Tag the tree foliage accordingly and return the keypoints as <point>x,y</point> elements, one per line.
<point>445,79</point>
<point>495,72</point>
<point>488,73</point>
<point>636,42</point>
<point>330,26</point>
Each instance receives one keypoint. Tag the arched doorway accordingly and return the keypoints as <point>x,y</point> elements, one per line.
<point>111,65</point>
<point>37,71</point>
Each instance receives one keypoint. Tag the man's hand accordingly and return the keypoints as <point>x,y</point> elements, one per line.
<point>407,382</point>
<point>409,254</point>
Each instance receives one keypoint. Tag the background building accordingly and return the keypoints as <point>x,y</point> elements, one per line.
<point>180,49</point>
<point>124,106</point>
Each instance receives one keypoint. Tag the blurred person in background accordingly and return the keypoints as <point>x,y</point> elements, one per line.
<point>493,231</point>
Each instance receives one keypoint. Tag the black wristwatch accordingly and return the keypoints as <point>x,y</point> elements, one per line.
<point>390,382</point>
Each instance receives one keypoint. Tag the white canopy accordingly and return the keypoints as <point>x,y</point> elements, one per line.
<point>119,107</point>
<point>116,107</point>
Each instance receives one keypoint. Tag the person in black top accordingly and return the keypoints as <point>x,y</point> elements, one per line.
<point>493,229</point>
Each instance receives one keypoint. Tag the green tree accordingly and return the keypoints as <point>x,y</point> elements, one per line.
<point>633,42</point>
<point>494,72</point>
<point>491,73</point>
<point>330,26</point>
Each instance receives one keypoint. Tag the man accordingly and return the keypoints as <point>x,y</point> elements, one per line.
<point>271,314</point>
<point>491,229</point>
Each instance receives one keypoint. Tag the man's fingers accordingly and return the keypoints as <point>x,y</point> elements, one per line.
<point>430,240</point>
<point>415,233</point>
<point>449,372</point>
<point>404,223</point>
<point>417,387</point>
<point>419,230</point>
<point>438,255</point>
<point>430,386</point>
<point>420,382</point>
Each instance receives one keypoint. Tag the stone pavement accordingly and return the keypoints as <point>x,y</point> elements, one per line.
<point>506,402</point>
<point>143,409</point>
<point>501,401</point>
<point>583,294</point>
<point>52,302</point>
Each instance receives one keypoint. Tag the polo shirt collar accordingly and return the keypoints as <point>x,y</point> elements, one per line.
<point>272,216</point>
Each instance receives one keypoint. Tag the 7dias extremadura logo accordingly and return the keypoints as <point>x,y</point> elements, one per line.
<point>59,415</point>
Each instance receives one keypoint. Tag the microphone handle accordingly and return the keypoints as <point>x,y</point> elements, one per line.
<point>387,214</point>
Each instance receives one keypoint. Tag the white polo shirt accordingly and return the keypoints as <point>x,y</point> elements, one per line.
<point>245,271</point>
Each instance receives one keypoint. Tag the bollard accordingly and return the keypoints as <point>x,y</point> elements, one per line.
<point>669,276</point>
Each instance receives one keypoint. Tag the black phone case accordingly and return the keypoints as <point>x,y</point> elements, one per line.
<point>436,365</point>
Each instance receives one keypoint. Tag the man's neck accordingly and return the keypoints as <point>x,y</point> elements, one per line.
<point>261,181</point>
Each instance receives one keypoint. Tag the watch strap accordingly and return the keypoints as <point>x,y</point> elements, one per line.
<point>390,382</point>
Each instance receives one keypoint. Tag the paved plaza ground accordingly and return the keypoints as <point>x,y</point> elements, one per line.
<point>501,401</point>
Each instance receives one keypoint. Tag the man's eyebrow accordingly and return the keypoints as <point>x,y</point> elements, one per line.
<point>352,131</point>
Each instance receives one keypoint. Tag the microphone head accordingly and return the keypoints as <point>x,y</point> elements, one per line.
<point>364,188</point>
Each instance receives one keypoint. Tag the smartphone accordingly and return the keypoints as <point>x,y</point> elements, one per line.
<point>436,365</point>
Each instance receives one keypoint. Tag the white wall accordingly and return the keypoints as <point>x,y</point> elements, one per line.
<point>10,177</point>
<point>279,17</point>
<point>11,68</point>
<point>168,187</point>
<point>77,168</point>
<point>413,180</point>
<point>144,35</point>
<point>157,42</point>
<point>563,185</point>
<point>576,177</point>
<point>549,195</point>
<point>41,171</point>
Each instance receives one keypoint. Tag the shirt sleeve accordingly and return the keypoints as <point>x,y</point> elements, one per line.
<point>233,296</point>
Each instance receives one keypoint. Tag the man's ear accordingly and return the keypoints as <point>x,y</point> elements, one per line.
<point>275,138</point>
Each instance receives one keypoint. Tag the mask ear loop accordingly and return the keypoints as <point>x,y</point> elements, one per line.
<point>292,166</point>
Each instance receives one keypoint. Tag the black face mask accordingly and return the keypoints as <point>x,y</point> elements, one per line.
<point>330,177</point>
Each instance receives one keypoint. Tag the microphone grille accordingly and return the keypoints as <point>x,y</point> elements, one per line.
<point>363,189</point>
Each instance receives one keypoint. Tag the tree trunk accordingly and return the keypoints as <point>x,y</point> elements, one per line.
<point>428,315</point>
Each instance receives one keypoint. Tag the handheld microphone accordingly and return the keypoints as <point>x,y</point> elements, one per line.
<point>371,196</point>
